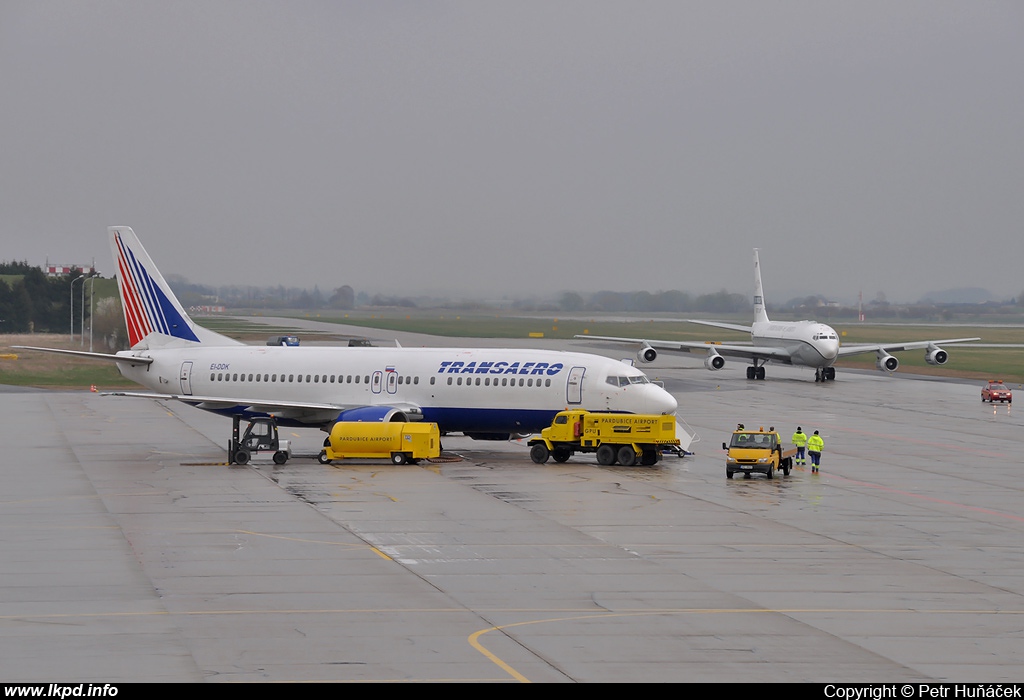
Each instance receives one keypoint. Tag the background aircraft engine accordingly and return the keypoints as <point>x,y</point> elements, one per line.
<point>714,361</point>
<point>886,362</point>
<point>647,354</point>
<point>935,356</point>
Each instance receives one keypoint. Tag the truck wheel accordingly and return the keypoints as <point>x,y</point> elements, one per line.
<point>322,457</point>
<point>606,455</point>
<point>280,457</point>
<point>770,474</point>
<point>561,454</point>
<point>398,458</point>
<point>649,458</point>
<point>241,457</point>
<point>539,453</point>
<point>627,456</point>
<point>728,474</point>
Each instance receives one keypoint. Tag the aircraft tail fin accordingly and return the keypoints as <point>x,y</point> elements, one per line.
<point>152,314</point>
<point>760,315</point>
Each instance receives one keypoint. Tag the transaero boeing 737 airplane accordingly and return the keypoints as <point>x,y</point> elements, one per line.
<point>485,393</point>
<point>806,343</point>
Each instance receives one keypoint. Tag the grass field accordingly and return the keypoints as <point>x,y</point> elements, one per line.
<point>51,371</point>
<point>55,371</point>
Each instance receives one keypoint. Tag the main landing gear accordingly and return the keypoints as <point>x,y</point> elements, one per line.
<point>755,372</point>
<point>825,374</point>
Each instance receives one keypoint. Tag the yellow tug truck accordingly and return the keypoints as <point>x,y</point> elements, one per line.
<point>400,442</point>
<point>759,451</point>
<point>623,438</point>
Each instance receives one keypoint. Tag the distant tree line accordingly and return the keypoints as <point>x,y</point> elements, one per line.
<point>673,300</point>
<point>32,302</point>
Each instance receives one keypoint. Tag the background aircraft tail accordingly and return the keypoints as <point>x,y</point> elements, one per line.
<point>153,315</point>
<point>760,315</point>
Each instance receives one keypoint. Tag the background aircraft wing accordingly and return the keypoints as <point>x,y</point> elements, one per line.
<point>743,350</point>
<point>720,324</point>
<point>847,350</point>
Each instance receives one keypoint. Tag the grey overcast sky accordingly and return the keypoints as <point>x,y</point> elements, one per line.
<point>489,148</point>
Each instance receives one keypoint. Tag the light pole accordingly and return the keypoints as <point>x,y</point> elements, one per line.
<point>81,325</point>
<point>92,294</point>
<point>71,303</point>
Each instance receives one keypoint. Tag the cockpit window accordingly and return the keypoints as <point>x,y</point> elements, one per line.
<point>626,381</point>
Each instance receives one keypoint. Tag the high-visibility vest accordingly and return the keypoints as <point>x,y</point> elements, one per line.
<point>815,443</point>
<point>799,439</point>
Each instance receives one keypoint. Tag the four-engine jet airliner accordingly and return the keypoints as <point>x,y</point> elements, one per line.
<point>485,393</point>
<point>806,343</point>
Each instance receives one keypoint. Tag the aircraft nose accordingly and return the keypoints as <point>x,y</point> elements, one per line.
<point>660,401</point>
<point>831,349</point>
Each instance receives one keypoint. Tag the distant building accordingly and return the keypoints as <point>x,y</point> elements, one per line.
<point>61,270</point>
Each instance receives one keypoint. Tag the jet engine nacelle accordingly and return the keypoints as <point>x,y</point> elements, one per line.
<point>374,414</point>
<point>935,356</point>
<point>647,354</point>
<point>714,361</point>
<point>886,362</point>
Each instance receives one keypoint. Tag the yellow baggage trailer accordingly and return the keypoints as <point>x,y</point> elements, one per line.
<point>399,442</point>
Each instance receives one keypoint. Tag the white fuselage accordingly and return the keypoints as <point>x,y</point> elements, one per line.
<point>809,343</point>
<point>463,390</point>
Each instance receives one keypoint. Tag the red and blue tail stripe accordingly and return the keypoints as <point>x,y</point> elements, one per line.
<point>147,309</point>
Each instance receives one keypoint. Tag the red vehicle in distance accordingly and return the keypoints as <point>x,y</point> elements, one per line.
<point>995,390</point>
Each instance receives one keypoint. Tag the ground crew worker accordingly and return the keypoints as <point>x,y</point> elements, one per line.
<point>814,446</point>
<point>799,440</point>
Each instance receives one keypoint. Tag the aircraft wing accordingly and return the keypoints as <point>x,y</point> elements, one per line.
<point>743,350</point>
<point>303,411</point>
<point>720,324</point>
<point>848,350</point>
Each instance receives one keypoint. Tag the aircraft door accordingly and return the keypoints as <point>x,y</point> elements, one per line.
<point>392,382</point>
<point>186,378</point>
<point>377,381</point>
<point>574,385</point>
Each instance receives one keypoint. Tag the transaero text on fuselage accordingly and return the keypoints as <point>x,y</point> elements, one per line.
<point>456,367</point>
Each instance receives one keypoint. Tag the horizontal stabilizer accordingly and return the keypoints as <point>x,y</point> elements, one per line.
<point>106,357</point>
